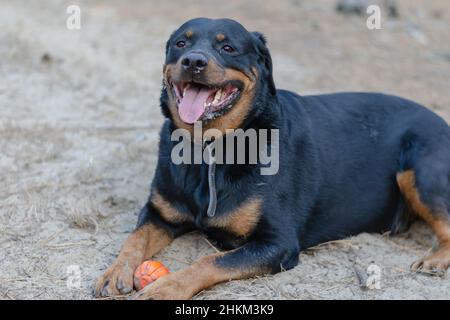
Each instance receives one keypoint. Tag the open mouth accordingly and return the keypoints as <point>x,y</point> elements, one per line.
<point>198,102</point>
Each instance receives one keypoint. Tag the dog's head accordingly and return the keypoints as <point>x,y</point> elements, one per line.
<point>215,72</point>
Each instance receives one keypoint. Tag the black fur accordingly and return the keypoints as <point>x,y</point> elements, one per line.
<point>339,156</point>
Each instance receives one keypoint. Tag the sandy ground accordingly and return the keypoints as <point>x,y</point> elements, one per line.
<point>79,120</point>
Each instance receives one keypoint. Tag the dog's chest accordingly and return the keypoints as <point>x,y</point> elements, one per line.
<point>237,213</point>
<point>228,228</point>
<point>232,218</point>
<point>237,223</point>
<point>231,228</point>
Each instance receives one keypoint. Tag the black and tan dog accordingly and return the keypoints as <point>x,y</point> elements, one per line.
<point>349,163</point>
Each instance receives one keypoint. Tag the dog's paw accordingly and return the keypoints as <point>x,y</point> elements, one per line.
<point>117,280</point>
<point>436,264</point>
<point>166,288</point>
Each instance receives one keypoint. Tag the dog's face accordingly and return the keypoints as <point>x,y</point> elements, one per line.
<point>214,72</point>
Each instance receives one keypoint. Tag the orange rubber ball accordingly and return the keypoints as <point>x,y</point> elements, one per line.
<point>148,272</point>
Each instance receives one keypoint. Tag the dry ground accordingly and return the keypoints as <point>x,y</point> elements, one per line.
<point>79,121</point>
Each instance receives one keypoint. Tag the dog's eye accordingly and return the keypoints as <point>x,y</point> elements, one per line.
<point>181,44</point>
<point>228,48</point>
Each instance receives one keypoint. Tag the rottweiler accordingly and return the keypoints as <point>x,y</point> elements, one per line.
<point>348,163</point>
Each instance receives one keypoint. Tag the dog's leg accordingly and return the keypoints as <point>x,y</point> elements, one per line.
<point>143,243</point>
<point>433,214</point>
<point>249,260</point>
<point>158,224</point>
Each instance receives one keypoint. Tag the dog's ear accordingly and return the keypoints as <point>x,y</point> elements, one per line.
<point>266,59</point>
<point>260,37</point>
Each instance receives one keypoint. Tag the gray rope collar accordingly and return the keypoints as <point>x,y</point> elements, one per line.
<point>212,206</point>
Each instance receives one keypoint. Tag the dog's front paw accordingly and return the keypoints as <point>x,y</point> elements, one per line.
<point>117,280</point>
<point>166,288</point>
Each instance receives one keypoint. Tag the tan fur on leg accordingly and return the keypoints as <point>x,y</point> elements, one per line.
<point>439,261</point>
<point>184,284</point>
<point>143,243</point>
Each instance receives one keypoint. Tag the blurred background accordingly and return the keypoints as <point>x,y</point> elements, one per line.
<point>79,121</point>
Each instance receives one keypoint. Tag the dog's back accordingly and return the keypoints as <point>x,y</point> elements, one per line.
<point>358,142</point>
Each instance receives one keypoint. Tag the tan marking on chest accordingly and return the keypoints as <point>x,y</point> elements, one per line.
<point>166,210</point>
<point>242,220</point>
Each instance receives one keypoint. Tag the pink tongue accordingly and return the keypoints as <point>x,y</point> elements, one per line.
<point>191,106</point>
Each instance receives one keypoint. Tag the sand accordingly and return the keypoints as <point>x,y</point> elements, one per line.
<point>79,121</point>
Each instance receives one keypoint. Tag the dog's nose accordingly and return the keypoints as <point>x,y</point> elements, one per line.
<point>194,62</point>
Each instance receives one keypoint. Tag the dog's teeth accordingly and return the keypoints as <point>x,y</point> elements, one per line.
<point>217,97</point>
